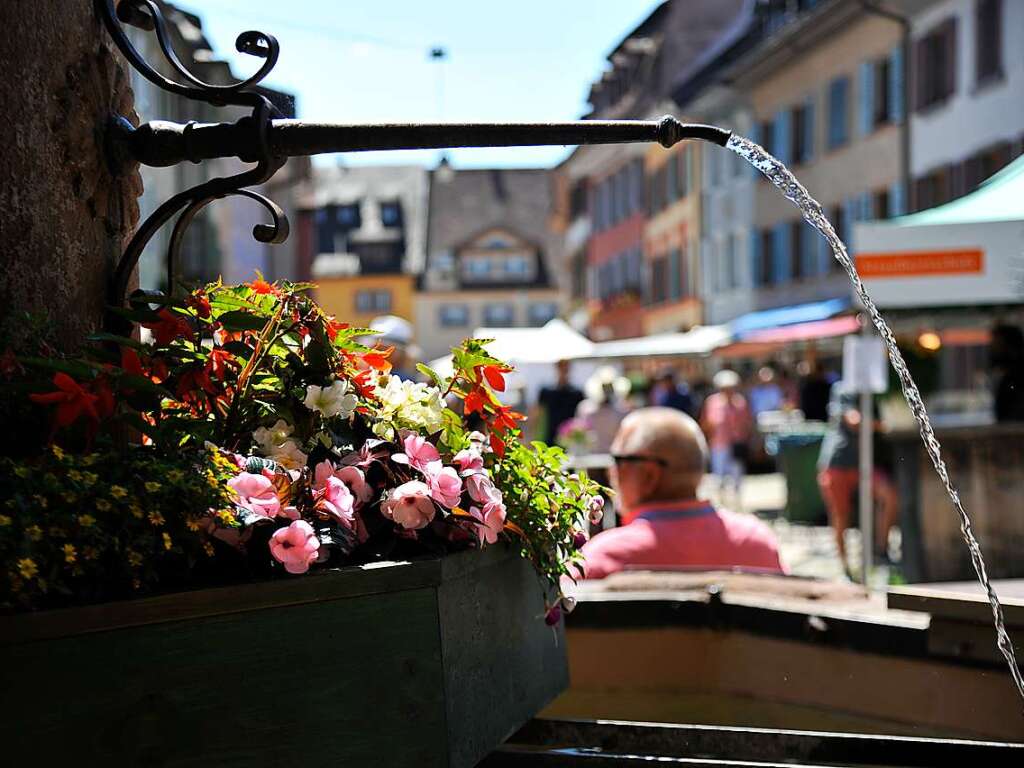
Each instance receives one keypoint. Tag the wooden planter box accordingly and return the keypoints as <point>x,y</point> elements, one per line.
<point>429,663</point>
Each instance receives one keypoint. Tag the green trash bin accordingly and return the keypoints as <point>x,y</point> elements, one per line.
<point>798,459</point>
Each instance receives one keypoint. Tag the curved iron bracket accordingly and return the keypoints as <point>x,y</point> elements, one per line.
<point>146,14</point>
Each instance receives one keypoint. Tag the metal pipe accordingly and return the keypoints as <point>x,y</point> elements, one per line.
<point>161,143</point>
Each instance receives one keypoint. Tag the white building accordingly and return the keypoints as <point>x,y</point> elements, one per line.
<point>967,95</point>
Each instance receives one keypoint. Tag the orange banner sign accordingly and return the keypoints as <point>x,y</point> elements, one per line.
<point>920,263</point>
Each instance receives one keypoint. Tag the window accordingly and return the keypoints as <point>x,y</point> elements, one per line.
<point>454,315</point>
<point>765,271</point>
<point>497,243</point>
<point>542,312</point>
<point>348,215</point>
<point>988,44</point>
<point>934,188</point>
<point>659,280</point>
<point>499,315</point>
<point>390,214</point>
<point>478,267</point>
<point>880,204</point>
<point>444,261</point>
<point>674,275</point>
<point>373,301</point>
<point>802,133</point>
<point>636,186</point>
<point>516,266</point>
<point>935,65</point>
<point>881,111</point>
<point>796,249</point>
<point>767,132</point>
<point>671,180</point>
<point>838,112</point>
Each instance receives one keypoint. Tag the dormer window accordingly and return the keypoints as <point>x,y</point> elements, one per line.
<point>516,266</point>
<point>348,215</point>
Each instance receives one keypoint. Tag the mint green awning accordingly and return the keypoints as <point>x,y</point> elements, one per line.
<point>999,198</point>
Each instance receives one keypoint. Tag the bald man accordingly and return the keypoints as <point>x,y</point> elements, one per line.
<point>659,455</point>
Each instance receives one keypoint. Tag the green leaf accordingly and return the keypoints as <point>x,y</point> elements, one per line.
<point>431,374</point>
<point>240,320</point>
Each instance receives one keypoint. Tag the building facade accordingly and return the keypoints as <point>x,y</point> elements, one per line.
<point>362,235</point>
<point>967,95</point>
<point>492,258</point>
<point>832,114</point>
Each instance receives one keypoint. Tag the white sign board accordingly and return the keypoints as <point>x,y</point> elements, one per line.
<point>941,265</point>
<point>865,365</point>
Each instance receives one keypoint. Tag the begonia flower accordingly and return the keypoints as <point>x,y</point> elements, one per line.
<point>295,546</point>
<point>409,505</point>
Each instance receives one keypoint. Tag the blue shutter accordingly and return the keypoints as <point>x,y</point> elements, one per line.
<point>755,257</point>
<point>809,250</point>
<point>781,142</point>
<point>781,253</point>
<point>896,84</point>
<point>865,117</point>
<point>897,199</point>
<point>866,214</point>
<point>809,125</point>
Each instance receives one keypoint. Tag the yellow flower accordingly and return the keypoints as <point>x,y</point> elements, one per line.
<point>156,518</point>
<point>41,501</point>
<point>69,554</point>
<point>75,475</point>
<point>118,492</point>
<point>21,472</point>
<point>57,452</point>
<point>152,486</point>
<point>175,475</point>
<point>27,568</point>
<point>70,497</point>
<point>134,558</point>
<point>208,548</point>
<point>4,520</point>
<point>167,541</point>
<point>226,516</point>
<point>193,524</point>
<point>34,532</point>
<point>136,510</point>
<point>89,478</point>
<point>88,461</point>
<point>103,505</point>
<point>86,520</point>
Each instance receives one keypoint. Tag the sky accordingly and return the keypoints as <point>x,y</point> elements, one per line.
<point>368,61</point>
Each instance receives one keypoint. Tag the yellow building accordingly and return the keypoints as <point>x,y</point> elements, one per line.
<point>358,299</point>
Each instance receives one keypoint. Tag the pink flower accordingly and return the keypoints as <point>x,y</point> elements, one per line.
<point>296,546</point>
<point>418,453</point>
<point>469,461</point>
<point>445,485</point>
<point>492,520</point>
<point>354,478</point>
<point>482,490</point>
<point>335,499</point>
<point>256,493</point>
<point>595,509</point>
<point>409,505</point>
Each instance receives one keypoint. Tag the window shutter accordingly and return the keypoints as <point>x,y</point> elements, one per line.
<point>896,84</point>
<point>897,199</point>
<point>866,213</point>
<point>781,139</point>
<point>866,88</point>
<point>949,41</point>
<point>755,257</point>
<point>781,255</point>
<point>809,125</point>
<point>673,274</point>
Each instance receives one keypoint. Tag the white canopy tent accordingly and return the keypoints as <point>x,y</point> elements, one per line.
<point>700,340</point>
<point>966,253</point>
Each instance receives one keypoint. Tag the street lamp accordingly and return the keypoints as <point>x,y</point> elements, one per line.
<point>267,140</point>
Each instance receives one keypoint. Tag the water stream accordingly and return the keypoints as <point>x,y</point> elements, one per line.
<point>779,175</point>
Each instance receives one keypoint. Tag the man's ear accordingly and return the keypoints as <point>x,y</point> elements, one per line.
<point>653,474</point>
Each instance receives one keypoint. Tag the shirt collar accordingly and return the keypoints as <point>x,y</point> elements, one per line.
<point>669,510</point>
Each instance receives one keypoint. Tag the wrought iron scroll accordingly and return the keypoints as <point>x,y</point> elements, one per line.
<point>146,14</point>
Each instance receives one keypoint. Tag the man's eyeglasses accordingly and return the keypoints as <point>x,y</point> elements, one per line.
<point>636,458</point>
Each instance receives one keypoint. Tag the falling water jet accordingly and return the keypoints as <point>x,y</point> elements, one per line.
<point>786,182</point>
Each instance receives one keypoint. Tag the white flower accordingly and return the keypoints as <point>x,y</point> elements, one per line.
<point>335,400</point>
<point>270,439</point>
<point>288,455</point>
<point>411,404</point>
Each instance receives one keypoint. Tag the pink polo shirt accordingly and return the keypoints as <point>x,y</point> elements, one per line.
<point>684,533</point>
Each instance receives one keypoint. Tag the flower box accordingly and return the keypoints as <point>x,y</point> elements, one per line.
<point>433,662</point>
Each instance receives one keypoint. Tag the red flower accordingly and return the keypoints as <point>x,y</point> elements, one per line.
<point>169,327</point>
<point>104,397</point>
<point>474,402</point>
<point>364,383</point>
<point>333,326</point>
<point>217,363</point>
<point>192,384</point>
<point>130,362</point>
<point>262,287</point>
<point>198,302</point>
<point>493,374</point>
<point>71,400</point>
<point>497,445</point>
<point>378,358</point>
